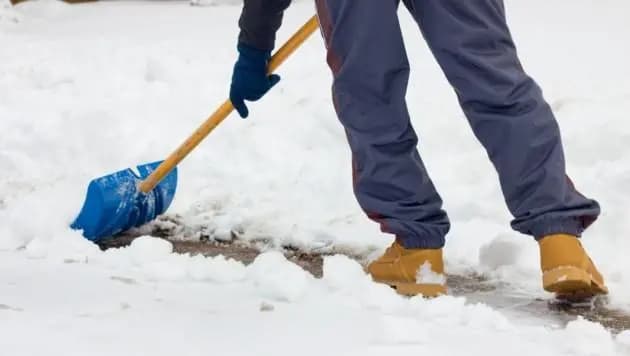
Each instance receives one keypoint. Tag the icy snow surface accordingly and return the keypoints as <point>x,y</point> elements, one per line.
<point>90,89</point>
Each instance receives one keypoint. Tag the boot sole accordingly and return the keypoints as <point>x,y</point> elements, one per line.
<point>569,280</point>
<point>412,289</point>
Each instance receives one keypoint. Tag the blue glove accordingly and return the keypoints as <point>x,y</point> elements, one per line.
<point>249,79</point>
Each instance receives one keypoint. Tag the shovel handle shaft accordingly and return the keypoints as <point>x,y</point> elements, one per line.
<point>223,111</point>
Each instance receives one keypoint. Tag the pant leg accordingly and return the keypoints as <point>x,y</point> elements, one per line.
<point>506,109</point>
<point>369,64</point>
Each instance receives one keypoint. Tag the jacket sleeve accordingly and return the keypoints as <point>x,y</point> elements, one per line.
<point>259,22</point>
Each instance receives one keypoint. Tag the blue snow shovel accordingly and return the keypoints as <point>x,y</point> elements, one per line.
<point>126,199</point>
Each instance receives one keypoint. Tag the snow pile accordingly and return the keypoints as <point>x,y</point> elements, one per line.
<point>278,279</point>
<point>146,249</point>
<point>153,259</point>
<point>146,284</point>
<point>589,339</point>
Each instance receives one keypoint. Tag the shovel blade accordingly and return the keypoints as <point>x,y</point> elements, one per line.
<point>114,204</point>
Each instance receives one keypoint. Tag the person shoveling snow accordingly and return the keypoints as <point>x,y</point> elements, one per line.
<point>504,106</point>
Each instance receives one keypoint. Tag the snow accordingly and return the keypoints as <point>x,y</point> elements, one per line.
<point>623,339</point>
<point>277,279</point>
<point>94,88</point>
<point>7,15</point>
<point>588,339</point>
<point>427,276</point>
<point>137,315</point>
<point>147,249</point>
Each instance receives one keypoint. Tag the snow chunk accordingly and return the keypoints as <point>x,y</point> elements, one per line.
<point>176,267</point>
<point>147,249</point>
<point>277,278</point>
<point>8,240</point>
<point>66,246</point>
<point>37,248</point>
<point>346,277</point>
<point>455,312</point>
<point>341,273</point>
<point>583,337</point>
<point>426,275</point>
<point>217,269</point>
<point>154,257</point>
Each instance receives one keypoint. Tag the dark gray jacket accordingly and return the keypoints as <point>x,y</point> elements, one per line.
<point>259,22</point>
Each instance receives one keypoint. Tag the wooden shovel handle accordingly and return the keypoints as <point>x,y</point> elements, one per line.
<point>223,111</point>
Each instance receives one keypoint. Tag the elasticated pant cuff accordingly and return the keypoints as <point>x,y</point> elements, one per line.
<point>424,243</point>
<point>569,226</point>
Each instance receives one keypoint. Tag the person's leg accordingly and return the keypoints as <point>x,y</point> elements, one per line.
<point>506,109</point>
<point>508,114</point>
<point>369,64</point>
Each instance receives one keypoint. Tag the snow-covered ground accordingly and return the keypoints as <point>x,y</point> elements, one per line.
<point>89,89</point>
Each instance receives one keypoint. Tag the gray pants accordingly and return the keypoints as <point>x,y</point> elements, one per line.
<point>504,106</point>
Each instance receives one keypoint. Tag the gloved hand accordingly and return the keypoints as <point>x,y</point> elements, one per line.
<point>249,79</point>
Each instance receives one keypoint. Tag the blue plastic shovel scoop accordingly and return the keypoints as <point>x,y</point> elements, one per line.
<point>122,200</point>
<point>114,203</point>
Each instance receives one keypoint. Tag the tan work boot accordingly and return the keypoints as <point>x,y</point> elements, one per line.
<point>410,271</point>
<point>567,269</point>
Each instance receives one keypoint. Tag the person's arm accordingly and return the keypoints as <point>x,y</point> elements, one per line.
<point>259,22</point>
